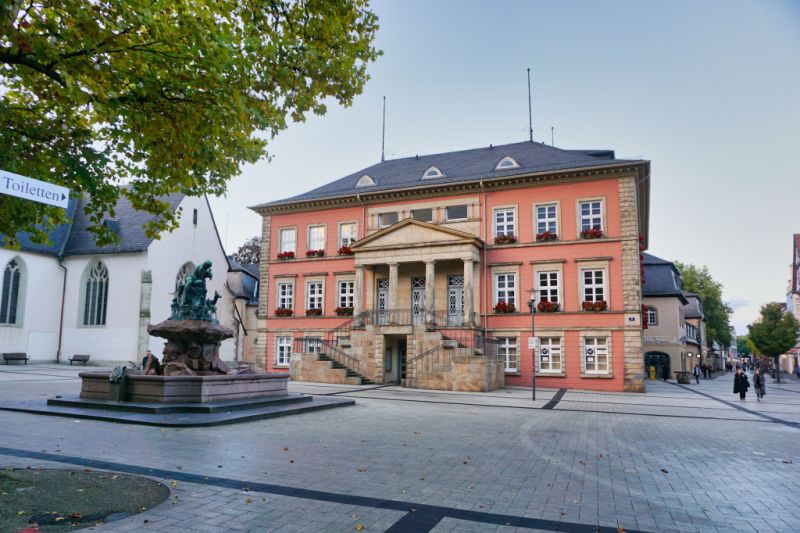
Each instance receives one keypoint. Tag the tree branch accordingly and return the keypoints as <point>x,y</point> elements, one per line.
<point>20,59</point>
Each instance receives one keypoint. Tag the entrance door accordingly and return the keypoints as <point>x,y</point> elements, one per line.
<point>455,300</point>
<point>383,302</point>
<point>401,354</point>
<point>418,300</point>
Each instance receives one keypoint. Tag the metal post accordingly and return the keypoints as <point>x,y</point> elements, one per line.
<point>532,307</point>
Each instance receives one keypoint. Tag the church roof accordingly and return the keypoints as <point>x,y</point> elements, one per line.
<point>73,238</point>
<point>462,166</point>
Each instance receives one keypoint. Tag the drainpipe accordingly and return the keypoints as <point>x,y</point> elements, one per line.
<point>63,297</point>
<point>483,265</point>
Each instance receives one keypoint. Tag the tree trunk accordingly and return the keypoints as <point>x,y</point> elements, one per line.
<point>777,368</point>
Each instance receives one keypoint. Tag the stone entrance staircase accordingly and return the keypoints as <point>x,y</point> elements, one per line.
<point>351,377</point>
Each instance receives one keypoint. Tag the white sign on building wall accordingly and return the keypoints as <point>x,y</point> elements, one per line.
<point>34,190</point>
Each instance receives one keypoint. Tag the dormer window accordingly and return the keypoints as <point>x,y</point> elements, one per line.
<point>432,173</point>
<point>506,163</point>
<point>365,181</point>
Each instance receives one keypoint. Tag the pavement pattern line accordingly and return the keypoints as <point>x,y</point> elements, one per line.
<point>776,420</point>
<point>556,398</point>
<point>430,515</point>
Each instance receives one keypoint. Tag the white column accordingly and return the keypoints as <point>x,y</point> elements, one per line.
<point>430,290</point>
<point>392,303</point>
<point>358,292</point>
<point>468,291</point>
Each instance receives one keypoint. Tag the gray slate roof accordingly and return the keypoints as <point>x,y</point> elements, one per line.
<point>661,278</point>
<point>694,309</point>
<point>461,166</point>
<point>74,238</point>
<point>243,280</point>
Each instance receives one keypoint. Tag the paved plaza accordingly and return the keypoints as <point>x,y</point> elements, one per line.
<point>678,458</point>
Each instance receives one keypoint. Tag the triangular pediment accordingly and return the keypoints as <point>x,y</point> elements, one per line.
<point>414,233</point>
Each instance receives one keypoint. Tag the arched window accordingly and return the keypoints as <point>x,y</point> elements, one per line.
<point>365,181</point>
<point>95,299</point>
<point>12,278</point>
<point>506,163</point>
<point>183,273</point>
<point>432,173</point>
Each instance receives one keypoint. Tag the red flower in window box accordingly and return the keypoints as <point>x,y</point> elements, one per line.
<point>283,256</point>
<point>345,250</point>
<point>546,236</point>
<point>315,253</point>
<point>593,233</point>
<point>503,308</point>
<point>314,312</point>
<point>508,238</point>
<point>547,307</point>
<point>600,305</point>
<point>344,311</point>
<point>283,311</point>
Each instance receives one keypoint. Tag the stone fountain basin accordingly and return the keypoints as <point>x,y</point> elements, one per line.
<point>187,389</point>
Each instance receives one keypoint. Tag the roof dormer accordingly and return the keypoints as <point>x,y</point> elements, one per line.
<point>365,181</point>
<point>432,173</point>
<point>506,163</point>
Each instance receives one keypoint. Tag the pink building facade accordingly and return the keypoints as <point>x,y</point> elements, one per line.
<point>422,271</point>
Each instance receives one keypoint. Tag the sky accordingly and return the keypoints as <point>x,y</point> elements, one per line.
<point>709,92</point>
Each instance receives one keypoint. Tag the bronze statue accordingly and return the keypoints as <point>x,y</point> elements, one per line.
<point>190,302</point>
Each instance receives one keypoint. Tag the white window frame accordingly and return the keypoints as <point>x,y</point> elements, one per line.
<point>513,289</point>
<point>286,297</point>
<point>432,173</point>
<point>447,213</point>
<point>551,346</point>
<point>315,300</point>
<point>547,220</point>
<point>507,344</point>
<point>345,293</point>
<point>592,343</point>
<point>94,316</point>
<point>506,163</point>
<point>652,315</point>
<point>283,351</point>
<point>13,300</point>
<point>316,243</point>
<point>283,244</point>
<point>365,181</point>
<point>382,223</point>
<point>502,227</point>
<point>587,221</point>
<point>594,286</point>
<point>549,288</point>
<point>347,240</point>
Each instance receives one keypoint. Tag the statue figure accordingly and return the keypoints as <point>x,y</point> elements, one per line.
<point>190,302</point>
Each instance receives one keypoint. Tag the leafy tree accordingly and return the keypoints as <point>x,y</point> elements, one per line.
<point>250,252</point>
<point>774,332</point>
<point>744,346</point>
<point>164,95</point>
<point>717,313</point>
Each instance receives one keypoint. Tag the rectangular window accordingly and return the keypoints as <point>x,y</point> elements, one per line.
<point>455,212</point>
<point>316,237</point>
<point>283,351</point>
<point>288,240</point>
<point>550,354</point>
<point>314,295</point>
<point>505,288</point>
<point>425,215</point>
<point>346,293</point>
<point>508,351</point>
<point>593,286</point>
<point>387,219</point>
<point>504,222</point>
<point>347,234</point>
<point>546,218</point>
<point>285,295</point>
<point>652,316</point>
<point>595,354</point>
<point>548,286</point>
<point>591,215</point>
<point>313,345</point>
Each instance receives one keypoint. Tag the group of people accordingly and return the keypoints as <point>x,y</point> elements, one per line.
<point>703,369</point>
<point>741,383</point>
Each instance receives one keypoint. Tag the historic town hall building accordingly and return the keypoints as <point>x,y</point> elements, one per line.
<point>420,271</point>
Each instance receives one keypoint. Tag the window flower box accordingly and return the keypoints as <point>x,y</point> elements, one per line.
<point>593,233</point>
<point>600,305</point>
<point>283,311</point>
<point>315,253</point>
<point>546,236</point>
<point>344,311</point>
<point>345,250</point>
<point>508,238</point>
<point>314,312</point>
<point>504,308</point>
<point>284,256</point>
<point>547,307</point>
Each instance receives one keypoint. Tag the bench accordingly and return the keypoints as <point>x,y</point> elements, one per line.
<point>79,358</point>
<point>16,357</point>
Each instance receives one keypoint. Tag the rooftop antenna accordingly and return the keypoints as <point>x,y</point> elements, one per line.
<point>552,137</point>
<point>530,114</point>
<point>383,132</point>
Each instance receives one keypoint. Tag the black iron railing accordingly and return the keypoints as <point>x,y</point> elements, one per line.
<point>407,317</point>
<point>326,348</point>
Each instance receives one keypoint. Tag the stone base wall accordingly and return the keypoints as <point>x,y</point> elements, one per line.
<point>474,373</point>
<point>308,367</point>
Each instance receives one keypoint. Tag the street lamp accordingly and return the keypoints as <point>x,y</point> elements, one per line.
<point>532,307</point>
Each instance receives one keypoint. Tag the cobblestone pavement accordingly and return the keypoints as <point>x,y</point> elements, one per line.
<point>678,458</point>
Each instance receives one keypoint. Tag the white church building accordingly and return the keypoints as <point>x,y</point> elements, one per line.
<point>72,297</point>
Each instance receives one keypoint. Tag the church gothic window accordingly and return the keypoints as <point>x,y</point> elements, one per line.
<point>95,300</point>
<point>12,276</point>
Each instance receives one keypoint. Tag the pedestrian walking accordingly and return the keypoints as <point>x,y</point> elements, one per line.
<point>704,368</point>
<point>696,373</point>
<point>740,383</point>
<point>797,371</point>
<point>760,384</point>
